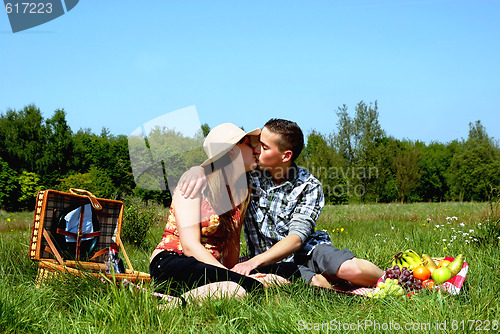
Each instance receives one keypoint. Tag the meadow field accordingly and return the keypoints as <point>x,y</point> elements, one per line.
<point>372,231</point>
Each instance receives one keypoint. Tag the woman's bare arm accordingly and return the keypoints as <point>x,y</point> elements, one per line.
<point>188,219</point>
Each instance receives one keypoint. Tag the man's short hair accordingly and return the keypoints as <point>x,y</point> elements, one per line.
<point>290,135</point>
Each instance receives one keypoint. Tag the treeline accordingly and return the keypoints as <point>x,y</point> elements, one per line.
<point>357,162</point>
<point>38,153</point>
<point>360,162</point>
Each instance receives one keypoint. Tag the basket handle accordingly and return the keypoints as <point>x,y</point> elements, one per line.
<point>93,200</point>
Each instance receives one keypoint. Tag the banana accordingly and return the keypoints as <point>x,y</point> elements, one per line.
<point>400,260</point>
<point>413,254</point>
<point>403,262</point>
<point>412,258</point>
<point>411,263</point>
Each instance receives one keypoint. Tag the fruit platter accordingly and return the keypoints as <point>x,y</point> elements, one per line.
<point>412,272</point>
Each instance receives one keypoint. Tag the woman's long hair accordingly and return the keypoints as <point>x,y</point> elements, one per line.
<point>225,200</point>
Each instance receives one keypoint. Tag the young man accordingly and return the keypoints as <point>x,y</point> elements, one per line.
<point>286,202</point>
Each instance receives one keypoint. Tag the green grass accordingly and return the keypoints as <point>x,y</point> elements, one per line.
<point>375,232</point>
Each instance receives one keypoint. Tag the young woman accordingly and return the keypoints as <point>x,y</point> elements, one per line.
<point>201,241</point>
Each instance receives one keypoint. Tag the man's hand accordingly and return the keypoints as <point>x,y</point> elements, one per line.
<point>245,267</point>
<point>192,182</point>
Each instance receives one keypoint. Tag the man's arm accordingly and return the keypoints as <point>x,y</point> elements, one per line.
<point>301,222</point>
<point>192,182</point>
<point>279,251</point>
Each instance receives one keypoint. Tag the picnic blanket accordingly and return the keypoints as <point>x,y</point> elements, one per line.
<point>452,286</point>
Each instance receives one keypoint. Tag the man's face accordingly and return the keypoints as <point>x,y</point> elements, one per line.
<point>267,151</point>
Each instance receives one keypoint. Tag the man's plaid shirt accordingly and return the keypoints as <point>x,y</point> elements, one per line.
<point>273,209</point>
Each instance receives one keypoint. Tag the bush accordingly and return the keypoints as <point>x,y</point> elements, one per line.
<point>138,218</point>
<point>29,184</point>
<point>97,181</point>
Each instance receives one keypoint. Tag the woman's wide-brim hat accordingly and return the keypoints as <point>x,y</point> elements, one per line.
<point>222,139</point>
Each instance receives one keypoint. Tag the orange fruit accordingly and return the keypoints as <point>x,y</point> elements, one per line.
<point>422,273</point>
<point>443,263</point>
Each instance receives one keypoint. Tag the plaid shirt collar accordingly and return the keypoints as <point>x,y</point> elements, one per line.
<point>264,178</point>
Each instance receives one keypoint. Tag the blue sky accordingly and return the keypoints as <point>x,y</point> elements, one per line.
<point>432,65</point>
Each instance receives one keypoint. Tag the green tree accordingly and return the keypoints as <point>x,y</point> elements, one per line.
<point>384,188</point>
<point>475,167</point>
<point>356,140</point>
<point>321,159</point>
<point>159,160</point>
<point>23,136</point>
<point>58,151</point>
<point>435,162</point>
<point>9,187</point>
<point>408,171</point>
<point>82,157</point>
<point>205,129</point>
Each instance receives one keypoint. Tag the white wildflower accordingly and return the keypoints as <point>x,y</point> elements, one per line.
<point>471,231</point>
<point>462,224</point>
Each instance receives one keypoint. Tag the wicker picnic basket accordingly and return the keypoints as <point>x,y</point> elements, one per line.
<point>89,249</point>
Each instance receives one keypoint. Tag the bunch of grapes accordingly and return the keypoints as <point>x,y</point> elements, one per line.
<point>404,277</point>
<point>387,288</point>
